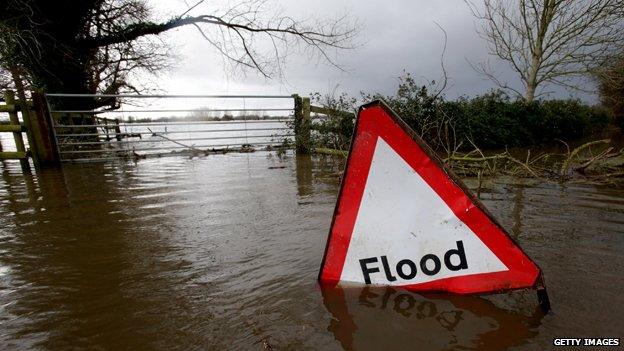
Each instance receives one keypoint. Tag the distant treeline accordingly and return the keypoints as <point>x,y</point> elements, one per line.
<point>489,121</point>
<point>200,118</point>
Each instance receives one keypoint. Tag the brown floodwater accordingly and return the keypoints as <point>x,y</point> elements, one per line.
<point>222,252</point>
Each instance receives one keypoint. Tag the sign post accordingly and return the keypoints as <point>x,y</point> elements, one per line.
<point>403,219</point>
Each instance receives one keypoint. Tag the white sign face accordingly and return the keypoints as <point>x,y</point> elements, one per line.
<point>406,234</point>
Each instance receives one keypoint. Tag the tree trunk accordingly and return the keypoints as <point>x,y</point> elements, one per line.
<point>530,93</point>
<point>531,81</point>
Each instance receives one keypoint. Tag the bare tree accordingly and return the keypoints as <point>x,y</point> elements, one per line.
<point>610,77</point>
<point>113,66</point>
<point>92,46</point>
<point>548,41</point>
<point>5,79</point>
<point>13,76</point>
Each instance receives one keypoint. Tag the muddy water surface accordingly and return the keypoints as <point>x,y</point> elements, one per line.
<point>222,252</point>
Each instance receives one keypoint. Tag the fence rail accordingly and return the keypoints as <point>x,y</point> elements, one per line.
<point>141,124</point>
<point>205,149</point>
<point>182,131</point>
<point>163,96</point>
<point>175,110</point>
<point>132,142</point>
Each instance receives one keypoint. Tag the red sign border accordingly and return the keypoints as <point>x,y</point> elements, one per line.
<point>523,272</point>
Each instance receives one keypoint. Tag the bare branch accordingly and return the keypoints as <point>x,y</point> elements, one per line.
<point>108,45</point>
<point>444,79</point>
<point>239,28</point>
<point>550,41</point>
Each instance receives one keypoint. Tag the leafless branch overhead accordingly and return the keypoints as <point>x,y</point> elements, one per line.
<point>235,33</point>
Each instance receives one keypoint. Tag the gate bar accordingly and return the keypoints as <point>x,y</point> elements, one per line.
<point>248,121</point>
<point>138,96</point>
<point>206,148</point>
<point>176,132</point>
<point>117,142</point>
<point>161,111</point>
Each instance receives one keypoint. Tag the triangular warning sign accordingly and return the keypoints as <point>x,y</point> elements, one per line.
<point>402,219</point>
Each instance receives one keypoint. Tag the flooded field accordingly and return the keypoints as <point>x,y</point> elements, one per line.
<point>222,252</point>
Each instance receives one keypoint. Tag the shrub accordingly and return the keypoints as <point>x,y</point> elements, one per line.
<point>609,75</point>
<point>335,129</point>
<point>494,121</point>
<point>489,121</point>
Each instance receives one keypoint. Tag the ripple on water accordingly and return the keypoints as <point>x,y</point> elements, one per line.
<point>223,252</point>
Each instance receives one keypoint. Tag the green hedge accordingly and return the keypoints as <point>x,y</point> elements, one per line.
<point>494,121</point>
<point>490,121</point>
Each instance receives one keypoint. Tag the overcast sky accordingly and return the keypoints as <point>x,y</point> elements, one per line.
<point>395,35</point>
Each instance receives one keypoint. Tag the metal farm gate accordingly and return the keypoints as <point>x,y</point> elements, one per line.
<point>155,125</point>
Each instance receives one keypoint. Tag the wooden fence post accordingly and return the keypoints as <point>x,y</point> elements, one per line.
<point>302,124</point>
<point>43,131</point>
<point>25,107</point>
<point>9,98</point>
<point>117,130</point>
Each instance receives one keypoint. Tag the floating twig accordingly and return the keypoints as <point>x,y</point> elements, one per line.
<point>175,142</point>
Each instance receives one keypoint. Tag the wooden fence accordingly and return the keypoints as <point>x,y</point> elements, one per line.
<point>36,124</point>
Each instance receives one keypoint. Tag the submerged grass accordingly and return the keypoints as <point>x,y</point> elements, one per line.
<point>596,161</point>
